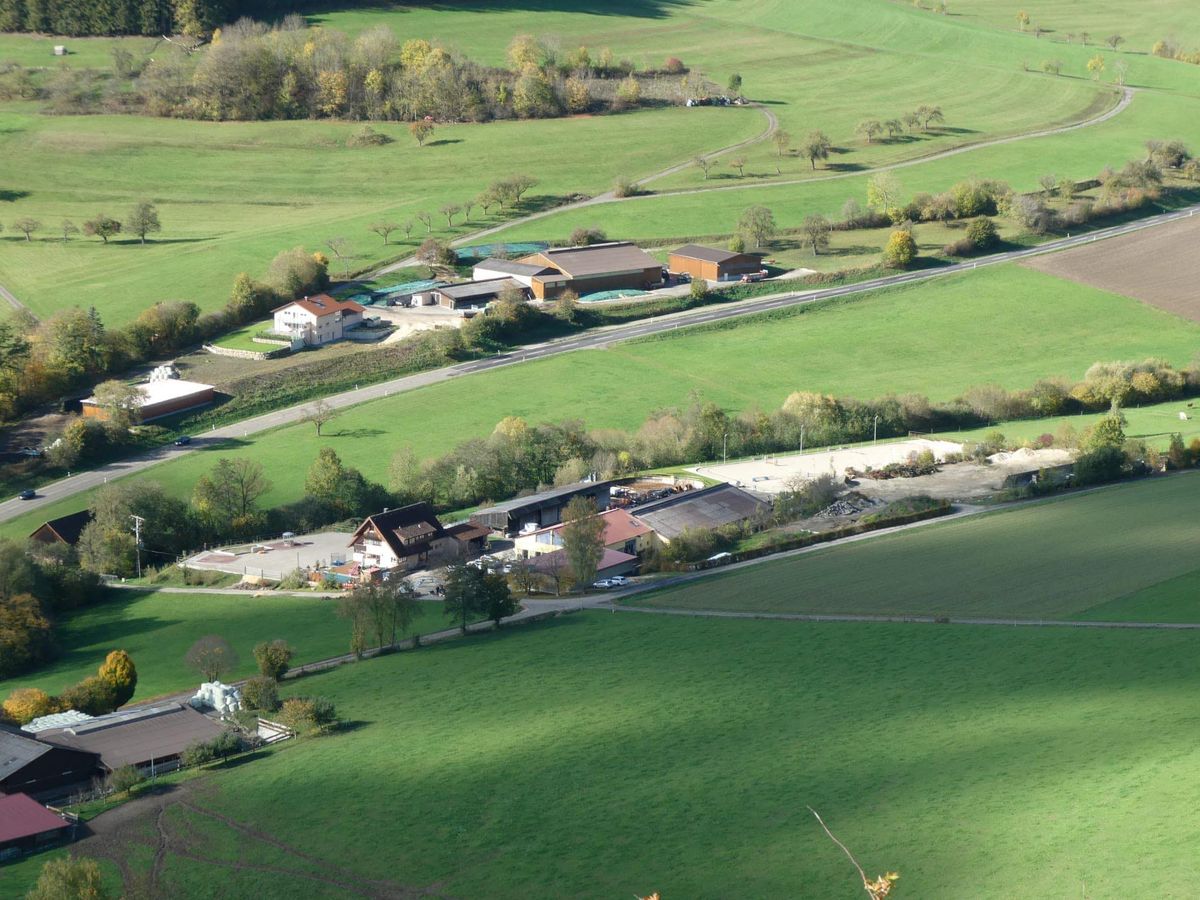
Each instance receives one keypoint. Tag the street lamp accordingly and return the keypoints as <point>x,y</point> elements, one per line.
<point>724,445</point>
<point>876,435</point>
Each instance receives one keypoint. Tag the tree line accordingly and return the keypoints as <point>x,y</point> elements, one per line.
<point>129,17</point>
<point>255,71</point>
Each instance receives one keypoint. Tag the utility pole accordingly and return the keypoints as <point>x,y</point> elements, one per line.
<point>875,438</point>
<point>724,444</point>
<point>138,522</point>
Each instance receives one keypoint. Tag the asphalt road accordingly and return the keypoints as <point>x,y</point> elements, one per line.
<point>601,337</point>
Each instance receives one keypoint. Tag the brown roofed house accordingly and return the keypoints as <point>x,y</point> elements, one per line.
<point>406,538</point>
<point>712,263</point>
<point>612,266</point>
<point>63,530</point>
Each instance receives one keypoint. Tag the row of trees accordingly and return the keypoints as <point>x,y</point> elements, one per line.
<point>42,360</point>
<point>252,71</point>
<point>141,221</point>
<point>149,17</point>
<point>518,456</point>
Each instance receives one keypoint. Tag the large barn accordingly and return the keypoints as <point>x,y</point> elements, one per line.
<point>712,263</point>
<point>612,266</point>
<point>40,769</point>
<point>541,509</point>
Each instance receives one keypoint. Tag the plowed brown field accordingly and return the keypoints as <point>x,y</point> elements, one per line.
<point>1159,266</point>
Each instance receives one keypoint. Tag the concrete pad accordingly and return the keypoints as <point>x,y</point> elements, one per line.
<point>276,559</point>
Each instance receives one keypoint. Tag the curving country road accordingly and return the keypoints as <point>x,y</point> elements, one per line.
<point>596,338</point>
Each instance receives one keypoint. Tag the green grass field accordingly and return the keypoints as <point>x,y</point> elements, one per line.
<point>937,338</point>
<point>243,338</point>
<point>231,195</point>
<point>1123,550</point>
<point>158,628</point>
<point>629,754</point>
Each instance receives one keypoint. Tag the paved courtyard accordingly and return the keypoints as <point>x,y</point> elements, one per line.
<point>276,559</point>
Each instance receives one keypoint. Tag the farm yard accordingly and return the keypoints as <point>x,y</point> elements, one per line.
<point>1110,548</point>
<point>865,346</point>
<point>1159,266</point>
<point>703,742</point>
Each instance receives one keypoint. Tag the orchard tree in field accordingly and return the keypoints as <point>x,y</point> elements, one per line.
<point>342,252</point>
<point>1049,184</point>
<point>900,251</point>
<point>929,114</point>
<point>1095,67</point>
<point>143,220</point>
<point>1120,72</point>
<point>70,878</point>
<point>450,210</point>
<point>102,226</point>
<point>320,414</point>
<point>421,130</point>
<point>894,127</point>
<point>758,225</point>
<point>1114,41</point>
<point>816,146</point>
<point>883,191</point>
<point>212,657</point>
<point>704,164</point>
<point>68,228</point>
<point>1023,20</point>
<point>981,231</point>
<point>816,230</point>
<point>735,83</point>
<point>869,128</point>
<point>426,219</point>
<point>782,141</point>
<point>739,163</point>
<point>384,230</point>
<point>435,254</point>
<point>27,227</point>
<point>583,539</point>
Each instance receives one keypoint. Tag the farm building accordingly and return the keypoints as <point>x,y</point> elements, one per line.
<point>64,530</point>
<point>622,532</point>
<point>613,562</point>
<point>473,295</point>
<point>160,397</point>
<point>712,263</point>
<point>541,509</point>
<point>405,538</point>
<point>26,825</point>
<point>472,538</point>
<point>149,737</point>
<point>524,273</point>
<point>55,720</point>
<point>31,766</point>
<point>711,507</point>
<point>599,267</point>
<point>317,320</point>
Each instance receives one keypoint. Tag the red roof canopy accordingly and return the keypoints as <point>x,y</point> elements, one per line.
<point>21,816</point>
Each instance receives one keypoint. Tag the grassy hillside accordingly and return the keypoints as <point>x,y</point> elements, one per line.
<point>231,195</point>
<point>939,338</point>
<point>623,754</point>
<point>1054,560</point>
<point>158,628</point>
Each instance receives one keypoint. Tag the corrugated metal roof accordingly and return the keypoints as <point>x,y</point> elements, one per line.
<point>708,254</point>
<point>470,289</point>
<point>711,507</point>
<point>600,259</point>
<point>136,736</point>
<point>509,267</point>
<point>17,751</point>
<point>543,497</point>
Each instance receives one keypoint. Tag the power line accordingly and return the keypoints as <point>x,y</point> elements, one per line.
<point>138,522</point>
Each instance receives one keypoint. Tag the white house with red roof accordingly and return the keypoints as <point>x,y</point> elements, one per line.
<point>317,320</point>
<point>623,533</point>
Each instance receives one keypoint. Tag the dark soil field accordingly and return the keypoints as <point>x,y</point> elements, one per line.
<point>1159,266</point>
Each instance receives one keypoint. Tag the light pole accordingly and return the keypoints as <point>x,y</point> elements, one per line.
<point>801,438</point>
<point>875,437</point>
<point>724,446</point>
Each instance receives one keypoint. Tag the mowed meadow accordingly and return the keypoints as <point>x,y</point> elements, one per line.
<point>1119,552</point>
<point>1005,324</point>
<point>231,195</point>
<point>625,754</point>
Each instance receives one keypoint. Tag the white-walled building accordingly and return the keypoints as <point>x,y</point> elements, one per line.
<point>317,320</point>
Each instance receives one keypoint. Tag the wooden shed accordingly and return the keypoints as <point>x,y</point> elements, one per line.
<point>712,263</point>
